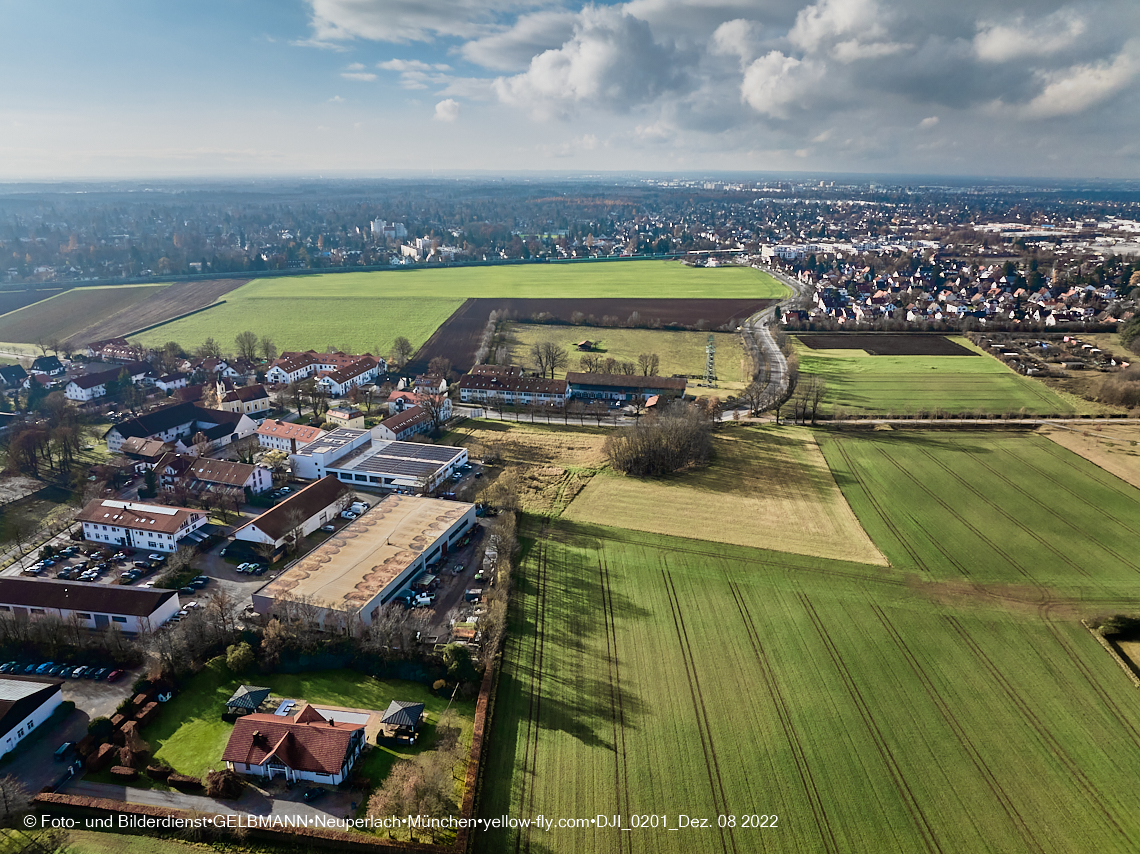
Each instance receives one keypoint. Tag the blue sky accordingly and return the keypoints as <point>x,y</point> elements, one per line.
<point>113,88</point>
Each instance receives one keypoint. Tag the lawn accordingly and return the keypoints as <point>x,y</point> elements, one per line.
<point>767,487</point>
<point>860,384</point>
<point>190,735</point>
<point>68,314</point>
<point>680,352</point>
<point>367,311</point>
<point>872,709</point>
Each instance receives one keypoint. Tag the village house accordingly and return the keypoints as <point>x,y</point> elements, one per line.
<point>49,365</point>
<point>285,435</point>
<point>404,425</point>
<point>346,417</point>
<point>201,474</point>
<point>340,381</point>
<point>622,388</point>
<point>292,366</point>
<point>309,746</point>
<point>512,390</point>
<point>191,427</point>
<point>12,375</point>
<point>252,400</point>
<point>170,382</point>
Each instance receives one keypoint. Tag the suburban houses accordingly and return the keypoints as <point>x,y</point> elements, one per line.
<point>193,428</point>
<point>286,436</point>
<point>345,370</point>
<point>201,474</point>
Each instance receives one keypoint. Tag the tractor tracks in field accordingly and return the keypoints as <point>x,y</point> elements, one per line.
<point>1042,732</point>
<point>906,794</point>
<point>1000,796</point>
<point>617,702</point>
<point>815,801</point>
<point>704,730</point>
<point>530,752</point>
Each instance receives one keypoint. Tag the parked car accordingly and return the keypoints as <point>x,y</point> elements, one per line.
<point>312,793</point>
<point>199,581</point>
<point>113,675</point>
<point>78,672</point>
<point>142,564</point>
<point>156,558</point>
<point>8,666</point>
<point>64,750</point>
<point>101,674</point>
<point>328,529</point>
<point>347,514</point>
<point>187,591</point>
<point>45,667</point>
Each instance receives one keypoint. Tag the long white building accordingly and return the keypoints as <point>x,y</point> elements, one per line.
<point>153,527</point>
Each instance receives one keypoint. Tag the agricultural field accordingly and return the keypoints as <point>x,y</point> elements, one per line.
<point>861,384</point>
<point>13,300</point>
<point>951,702</point>
<point>1113,447</point>
<point>178,299</point>
<point>680,352</point>
<point>767,487</point>
<point>887,343</point>
<point>367,311</point>
<point>67,315</point>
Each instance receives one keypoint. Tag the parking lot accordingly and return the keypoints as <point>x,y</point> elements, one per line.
<point>92,563</point>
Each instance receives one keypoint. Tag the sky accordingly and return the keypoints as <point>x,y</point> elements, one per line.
<point>250,88</point>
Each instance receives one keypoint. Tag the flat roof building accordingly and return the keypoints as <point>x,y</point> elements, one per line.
<point>368,460</point>
<point>351,576</point>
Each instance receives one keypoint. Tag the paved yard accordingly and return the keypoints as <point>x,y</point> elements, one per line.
<point>34,764</point>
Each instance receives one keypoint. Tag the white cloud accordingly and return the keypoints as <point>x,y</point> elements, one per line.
<point>612,61</point>
<point>447,110</point>
<point>1020,40</point>
<point>356,66</point>
<point>774,82</point>
<point>828,20</point>
<point>334,21</point>
<point>411,65</point>
<point>737,37</point>
<point>513,48</point>
<point>1076,89</point>
<point>415,74</point>
<point>358,75</point>
<point>336,99</point>
<point>928,123</point>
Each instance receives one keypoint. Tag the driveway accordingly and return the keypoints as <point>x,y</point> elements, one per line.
<point>255,800</point>
<point>34,763</point>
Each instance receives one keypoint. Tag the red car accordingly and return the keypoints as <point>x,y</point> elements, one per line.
<point>113,675</point>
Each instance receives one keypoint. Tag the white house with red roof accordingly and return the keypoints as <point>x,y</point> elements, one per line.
<point>316,746</point>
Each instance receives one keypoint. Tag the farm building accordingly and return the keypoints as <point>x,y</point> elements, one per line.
<point>201,474</point>
<point>303,512</point>
<point>404,425</point>
<point>182,423</point>
<point>152,527</point>
<point>308,746</point>
<point>25,703</point>
<point>512,389</point>
<point>367,564</point>
<point>367,459</point>
<point>285,436</point>
<point>94,606</point>
<point>623,388</point>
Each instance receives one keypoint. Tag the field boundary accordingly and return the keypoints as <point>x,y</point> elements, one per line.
<point>172,319</point>
<point>1116,656</point>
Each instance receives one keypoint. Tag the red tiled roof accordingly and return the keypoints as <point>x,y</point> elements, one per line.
<point>313,744</point>
<point>288,430</point>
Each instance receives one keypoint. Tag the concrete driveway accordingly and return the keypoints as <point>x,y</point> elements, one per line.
<point>34,763</point>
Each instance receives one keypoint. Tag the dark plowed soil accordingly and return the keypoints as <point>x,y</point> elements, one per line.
<point>165,305</point>
<point>887,343</point>
<point>458,338</point>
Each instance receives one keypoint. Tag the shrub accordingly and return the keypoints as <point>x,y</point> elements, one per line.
<point>100,728</point>
<point>675,439</point>
<point>158,772</point>
<point>239,657</point>
<point>124,772</point>
<point>439,685</point>
<point>227,784</point>
<point>102,757</point>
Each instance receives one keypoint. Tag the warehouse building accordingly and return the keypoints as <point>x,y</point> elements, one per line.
<point>623,388</point>
<point>368,460</point>
<point>343,583</point>
<point>25,703</point>
<point>93,606</point>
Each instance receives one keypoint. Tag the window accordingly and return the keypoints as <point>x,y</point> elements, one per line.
<point>83,616</point>
<point>118,619</point>
<point>20,732</point>
<point>30,725</point>
<point>5,608</point>
<point>37,610</point>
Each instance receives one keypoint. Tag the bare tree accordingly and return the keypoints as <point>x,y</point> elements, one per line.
<point>549,357</point>
<point>246,344</point>
<point>628,369</point>
<point>590,363</point>
<point>401,351</point>
<point>14,799</point>
<point>648,364</point>
<point>268,349</point>
<point>436,405</point>
<point>209,349</point>
<point>440,366</point>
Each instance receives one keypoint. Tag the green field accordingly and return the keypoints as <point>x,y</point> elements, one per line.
<point>70,313</point>
<point>680,352</point>
<point>950,703</point>
<point>860,384</point>
<point>367,311</point>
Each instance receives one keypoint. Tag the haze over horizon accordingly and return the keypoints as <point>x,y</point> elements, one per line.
<point>128,89</point>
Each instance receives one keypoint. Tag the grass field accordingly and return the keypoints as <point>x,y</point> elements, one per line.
<point>70,313</point>
<point>767,487</point>
<point>367,311</point>
<point>190,735</point>
<point>680,352</point>
<point>949,703</point>
<point>863,385</point>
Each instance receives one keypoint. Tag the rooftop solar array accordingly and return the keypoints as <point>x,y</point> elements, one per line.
<point>416,451</point>
<point>389,465</point>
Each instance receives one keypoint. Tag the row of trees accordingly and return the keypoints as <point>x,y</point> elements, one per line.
<point>674,439</point>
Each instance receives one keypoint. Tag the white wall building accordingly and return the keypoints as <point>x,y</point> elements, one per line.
<point>93,606</point>
<point>152,527</point>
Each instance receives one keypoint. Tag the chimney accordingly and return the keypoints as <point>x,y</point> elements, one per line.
<point>292,444</point>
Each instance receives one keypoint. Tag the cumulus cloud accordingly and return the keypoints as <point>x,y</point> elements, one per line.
<point>513,48</point>
<point>1020,39</point>
<point>447,110</point>
<point>775,82</point>
<point>612,61</point>
<point>334,21</point>
<point>738,37</point>
<point>928,123</point>
<point>416,74</point>
<point>1076,89</point>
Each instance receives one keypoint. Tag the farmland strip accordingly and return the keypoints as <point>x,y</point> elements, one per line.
<point>617,705</point>
<point>711,765</point>
<point>530,753</point>
<point>999,794</point>
<point>1035,723</point>
<point>930,840</point>
<point>827,835</point>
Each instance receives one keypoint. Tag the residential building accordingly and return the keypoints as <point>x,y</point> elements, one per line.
<point>181,423</point>
<point>89,386</point>
<point>49,365</point>
<point>339,381</point>
<point>285,435</point>
<point>92,606</point>
<point>144,453</point>
<point>404,425</point>
<point>372,561</point>
<point>623,388</point>
<point>315,746</point>
<point>293,366</point>
<point>398,401</point>
<point>170,382</point>
<point>151,527</point>
<point>346,417</point>
<point>25,703</point>
<point>252,400</point>
<point>512,390</point>
<point>202,474</point>
<point>12,375</point>
<point>114,350</point>
<point>304,511</point>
